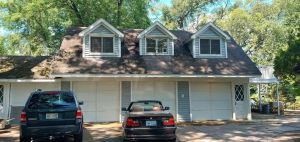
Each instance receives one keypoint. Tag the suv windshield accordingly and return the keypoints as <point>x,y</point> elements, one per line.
<point>145,106</point>
<point>53,100</point>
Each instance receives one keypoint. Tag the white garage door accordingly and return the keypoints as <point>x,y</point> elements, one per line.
<point>151,90</point>
<point>21,91</point>
<point>211,101</point>
<point>101,100</point>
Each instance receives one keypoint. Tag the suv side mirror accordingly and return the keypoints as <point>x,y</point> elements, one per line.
<point>124,109</point>
<point>167,108</point>
<point>80,102</point>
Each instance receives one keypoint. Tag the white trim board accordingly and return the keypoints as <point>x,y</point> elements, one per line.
<point>96,24</point>
<point>156,76</point>
<point>156,23</point>
<point>29,80</point>
<point>210,24</point>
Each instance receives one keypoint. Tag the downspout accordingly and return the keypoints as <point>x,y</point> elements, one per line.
<point>9,101</point>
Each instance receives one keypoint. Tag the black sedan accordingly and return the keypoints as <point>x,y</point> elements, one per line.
<point>148,120</point>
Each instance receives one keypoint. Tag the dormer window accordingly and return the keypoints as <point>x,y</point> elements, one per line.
<point>209,42</point>
<point>156,40</point>
<point>210,46</point>
<point>101,40</point>
<point>102,44</point>
<point>157,46</point>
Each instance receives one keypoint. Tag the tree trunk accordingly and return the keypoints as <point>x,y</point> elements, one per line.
<point>75,9</point>
<point>119,12</point>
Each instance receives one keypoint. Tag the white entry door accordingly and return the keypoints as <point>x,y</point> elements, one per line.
<point>3,105</point>
<point>240,101</point>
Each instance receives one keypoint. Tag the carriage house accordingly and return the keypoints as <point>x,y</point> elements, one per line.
<point>200,76</point>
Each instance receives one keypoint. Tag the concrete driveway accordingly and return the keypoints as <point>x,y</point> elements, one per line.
<point>285,128</point>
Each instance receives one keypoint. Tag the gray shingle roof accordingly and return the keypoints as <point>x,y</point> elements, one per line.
<point>182,63</point>
<point>69,60</point>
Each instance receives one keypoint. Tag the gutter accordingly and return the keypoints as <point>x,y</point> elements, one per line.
<point>150,76</point>
<point>29,80</point>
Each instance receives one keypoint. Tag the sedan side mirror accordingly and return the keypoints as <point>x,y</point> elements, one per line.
<point>124,109</point>
<point>80,102</point>
<point>167,108</point>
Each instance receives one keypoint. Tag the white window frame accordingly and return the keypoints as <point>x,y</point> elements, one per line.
<point>101,35</point>
<point>156,47</point>
<point>210,46</point>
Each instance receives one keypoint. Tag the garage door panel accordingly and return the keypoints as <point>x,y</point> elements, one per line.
<point>109,101</point>
<point>201,105</point>
<point>221,105</point>
<point>89,116</point>
<point>101,100</point>
<point>222,114</point>
<point>200,91</point>
<point>89,106</point>
<point>211,101</point>
<point>201,115</point>
<point>151,90</point>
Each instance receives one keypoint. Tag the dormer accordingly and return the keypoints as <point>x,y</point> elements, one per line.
<point>156,40</point>
<point>101,39</point>
<point>209,42</point>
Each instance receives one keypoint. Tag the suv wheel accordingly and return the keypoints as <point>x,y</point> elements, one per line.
<point>78,137</point>
<point>25,139</point>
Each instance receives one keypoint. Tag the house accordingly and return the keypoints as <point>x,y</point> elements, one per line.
<point>200,76</point>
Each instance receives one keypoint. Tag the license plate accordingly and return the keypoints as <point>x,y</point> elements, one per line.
<point>51,115</point>
<point>151,123</point>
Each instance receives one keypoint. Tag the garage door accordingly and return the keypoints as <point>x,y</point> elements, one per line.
<point>211,101</point>
<point>151,90</point>
<point>101,100</point>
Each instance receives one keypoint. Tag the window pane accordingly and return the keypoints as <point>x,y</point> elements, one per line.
<point>204,46</point>
<point>239,92</point>
<point>145,106</point>
<point>162,45</point>
<point>215,47</point>
<point>150,45</point>
<point>108,46</point>
<point>95,44</point>
<point>52,100</point>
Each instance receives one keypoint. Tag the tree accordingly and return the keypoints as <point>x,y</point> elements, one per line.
<point>257,27</point>
<point>36,27</point>
<point>286,61</point>
<point>183,12</point>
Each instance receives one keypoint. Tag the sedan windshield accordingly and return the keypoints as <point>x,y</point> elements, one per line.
<point>53,100</point>
<point>145,106</point>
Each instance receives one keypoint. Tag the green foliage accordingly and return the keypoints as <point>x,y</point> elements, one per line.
<point>257,27</point>
<point>285,62</point>
<point>183,12</point>
<point>36,27</point>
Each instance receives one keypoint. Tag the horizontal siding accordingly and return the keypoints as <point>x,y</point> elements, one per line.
<point>209,32</point>
<point>102,30</point>
<point>156,31</point>
<point>143,46</point>
<point>183,101</point>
